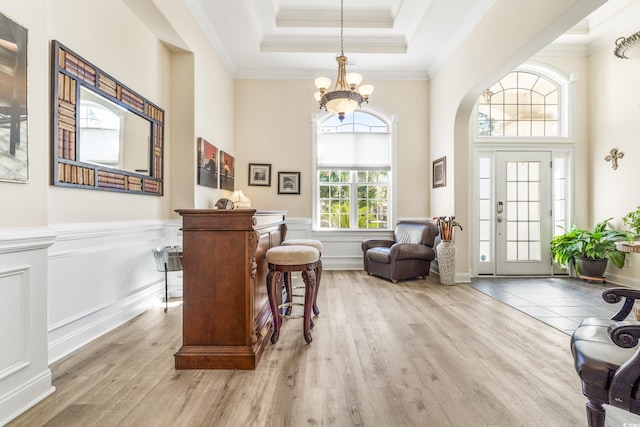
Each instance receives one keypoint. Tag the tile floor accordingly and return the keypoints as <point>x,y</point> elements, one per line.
<point>561,302</point>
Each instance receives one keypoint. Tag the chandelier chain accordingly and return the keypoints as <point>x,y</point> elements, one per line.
<point>341,26</point>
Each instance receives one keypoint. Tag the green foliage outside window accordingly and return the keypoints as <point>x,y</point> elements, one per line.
<point>335,199</point>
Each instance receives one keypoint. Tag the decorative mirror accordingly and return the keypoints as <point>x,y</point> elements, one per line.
<point>105,136</point>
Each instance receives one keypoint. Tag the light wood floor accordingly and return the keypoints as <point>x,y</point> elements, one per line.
<point>412,354</point>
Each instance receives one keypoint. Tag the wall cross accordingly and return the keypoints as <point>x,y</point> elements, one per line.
<point>613,157</point>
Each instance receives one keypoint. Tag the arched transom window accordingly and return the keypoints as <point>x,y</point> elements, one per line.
<point>521,104</point>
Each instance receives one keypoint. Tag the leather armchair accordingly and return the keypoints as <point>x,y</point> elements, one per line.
<point>607,358</point>
<point>407,256</point>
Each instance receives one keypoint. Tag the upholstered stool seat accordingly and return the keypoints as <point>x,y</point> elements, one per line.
<point>315,244</point>
<point>304,242</point>
<point>283,260</point>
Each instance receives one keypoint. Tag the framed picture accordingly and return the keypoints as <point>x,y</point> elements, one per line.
<point>439,177</point>
<point>14,162</point>
<point>227,171</point>
<point>288,182</point>
<point>260,174</point>
<point>207,164</point>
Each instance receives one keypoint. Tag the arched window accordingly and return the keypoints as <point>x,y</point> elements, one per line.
<point>353,172</point>
<point>522,104</point>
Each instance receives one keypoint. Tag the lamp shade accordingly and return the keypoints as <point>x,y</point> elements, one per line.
<point>240,200</point>
<point>342,105</point>
<point>323,83</point>
<point>365,90</point>
<point>353,80</point>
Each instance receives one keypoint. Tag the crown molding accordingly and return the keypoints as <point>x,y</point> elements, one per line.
<point>299,18</point>
<point>390,44</point>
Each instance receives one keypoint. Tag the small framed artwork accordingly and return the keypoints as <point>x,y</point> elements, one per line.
<point>260,174</point>
<point>439,177</point>
<point>207,164</point>
<point>288,182</point>
<point>227,171</point>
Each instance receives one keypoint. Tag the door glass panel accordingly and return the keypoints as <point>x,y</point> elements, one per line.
<point>485,230</point>
<point>534,190</point>
<point>534,231</point>
<point>512,251</point>
<point>523,171</point>
<point>523,251</point>
<point>485,189</point>
<point>512,213</point>
<point>511,172</point>
<point>523,190</point>
<point>534,211</point>
<point>534,251</point>
<point>523,211</point>
<point>485,251</point>
<point>523,228</point>
<point>485,209</point>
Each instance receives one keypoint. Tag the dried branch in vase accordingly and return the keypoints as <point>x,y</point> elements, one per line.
<point>446,225</point>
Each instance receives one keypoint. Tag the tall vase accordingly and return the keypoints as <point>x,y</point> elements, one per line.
<point>447,262</point>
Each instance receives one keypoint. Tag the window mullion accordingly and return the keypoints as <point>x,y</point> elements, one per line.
<point>353,199</point>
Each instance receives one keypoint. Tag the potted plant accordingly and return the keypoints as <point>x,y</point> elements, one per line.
<point>589,250</point>
<point>632,219</point>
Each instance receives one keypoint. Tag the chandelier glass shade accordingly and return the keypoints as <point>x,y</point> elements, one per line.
<point>346,96</point>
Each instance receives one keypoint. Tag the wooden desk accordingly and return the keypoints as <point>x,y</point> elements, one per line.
<point>226,317</point>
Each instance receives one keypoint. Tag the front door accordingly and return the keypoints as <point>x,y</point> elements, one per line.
<point>523,213</point>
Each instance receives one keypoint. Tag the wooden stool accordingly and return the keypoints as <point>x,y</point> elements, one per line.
<point>314,244</point>
<point>282,261</point>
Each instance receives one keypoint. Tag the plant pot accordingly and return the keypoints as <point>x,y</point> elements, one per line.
<point>591,267</point>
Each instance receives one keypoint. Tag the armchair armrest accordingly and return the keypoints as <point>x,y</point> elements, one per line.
<point>615,295</point>
<point>373,243</point>
<point>410,251</point>
<point>625,335</point>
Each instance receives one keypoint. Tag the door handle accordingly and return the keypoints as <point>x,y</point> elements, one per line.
<point>500,207</point>
<point>499,218</point>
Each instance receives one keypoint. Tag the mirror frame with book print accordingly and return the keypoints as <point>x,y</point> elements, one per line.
<point>102,166</point>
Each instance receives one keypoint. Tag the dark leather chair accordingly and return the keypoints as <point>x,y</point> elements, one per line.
<point>407,256</point>
<point>607,358</point>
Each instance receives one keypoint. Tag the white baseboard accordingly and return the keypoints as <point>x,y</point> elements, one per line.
<point>25,396</point>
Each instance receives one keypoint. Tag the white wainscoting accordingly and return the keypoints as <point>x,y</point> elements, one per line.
<point>102,275</point>
<point>25,378</point>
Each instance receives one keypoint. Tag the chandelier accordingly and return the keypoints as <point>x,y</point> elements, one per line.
<point>628,47</point>
<point>346,96</point>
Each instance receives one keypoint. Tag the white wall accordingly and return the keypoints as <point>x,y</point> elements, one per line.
<point>614,116</point>
<point>137,59</point>
<point>273,125</point>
